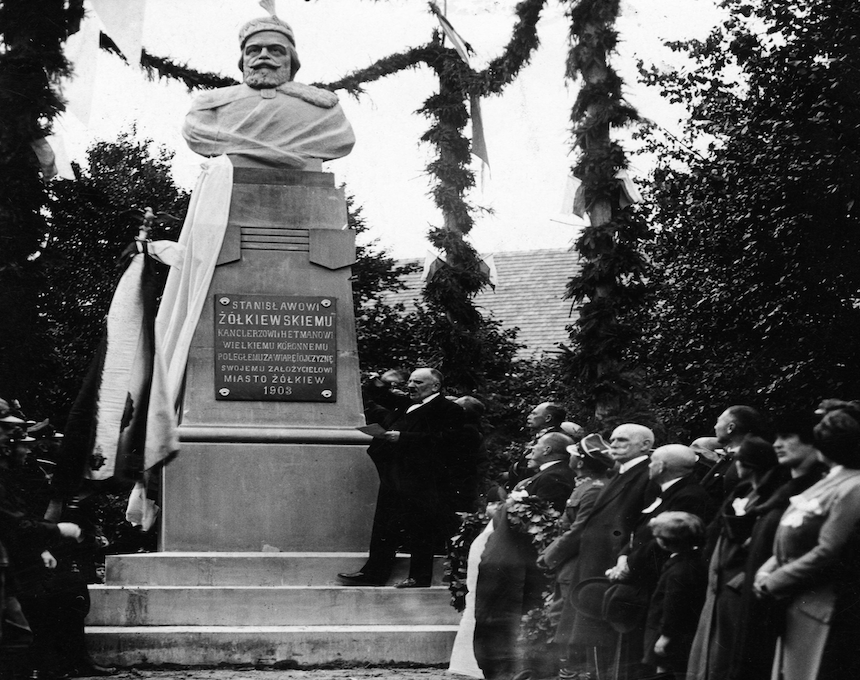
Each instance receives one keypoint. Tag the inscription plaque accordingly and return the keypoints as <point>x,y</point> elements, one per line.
<point>275,347</point>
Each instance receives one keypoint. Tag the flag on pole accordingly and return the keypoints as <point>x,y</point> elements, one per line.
<point>123,22</point>
<point>573,201</point>
<point>122,423</point>
<point>479,144</point>
<point>463,48</point>
<point>433,262</point>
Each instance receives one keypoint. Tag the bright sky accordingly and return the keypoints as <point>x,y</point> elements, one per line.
<point>526,129</point>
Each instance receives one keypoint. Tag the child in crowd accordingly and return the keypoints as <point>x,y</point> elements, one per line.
<point>676,604</point>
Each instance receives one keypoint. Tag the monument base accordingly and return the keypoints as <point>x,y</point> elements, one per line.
<point>288,497</point>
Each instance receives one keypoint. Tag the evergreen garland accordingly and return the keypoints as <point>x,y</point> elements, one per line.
<point>610,280</point>
<point>451,292</point>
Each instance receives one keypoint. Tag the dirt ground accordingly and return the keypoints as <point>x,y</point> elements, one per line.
<point>252,674</point>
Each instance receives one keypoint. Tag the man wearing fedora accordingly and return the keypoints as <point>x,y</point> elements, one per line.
<point>598,540</point>
<point>591,463</point>
<point>509,580</point>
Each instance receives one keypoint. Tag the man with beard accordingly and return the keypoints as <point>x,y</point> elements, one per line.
<point>269,119</point>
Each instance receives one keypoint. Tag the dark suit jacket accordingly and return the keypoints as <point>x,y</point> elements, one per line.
<point>415,467</point>
<point>519,468</point>
<point>609,522</point>
<point>604,533</point>
<point>553,484</point>
<point>645,557</point>
<point>509,581</point>
<point>675,608</point>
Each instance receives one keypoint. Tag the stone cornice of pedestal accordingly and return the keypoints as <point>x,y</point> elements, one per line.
<point>273,435</point>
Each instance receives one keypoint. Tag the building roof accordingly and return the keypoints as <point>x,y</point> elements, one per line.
<point>529,295</point>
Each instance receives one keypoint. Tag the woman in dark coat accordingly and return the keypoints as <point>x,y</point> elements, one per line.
<point>814,566</point>
<point>757,626</point>
<point>713,646</point>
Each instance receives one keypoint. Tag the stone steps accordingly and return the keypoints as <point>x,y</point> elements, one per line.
<point>243,568</point>
<point>268,606</point>
<point>268,645</point>
<point>263,608</point>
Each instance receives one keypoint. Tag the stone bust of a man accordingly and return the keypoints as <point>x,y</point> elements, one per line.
<point>269,119</point>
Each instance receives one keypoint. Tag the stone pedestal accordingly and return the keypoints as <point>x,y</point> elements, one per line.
<point>292,475</point>
<point>268,500</point>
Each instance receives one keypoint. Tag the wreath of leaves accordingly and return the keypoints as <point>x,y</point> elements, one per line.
<point>471,524</point>
<point>533,516</point>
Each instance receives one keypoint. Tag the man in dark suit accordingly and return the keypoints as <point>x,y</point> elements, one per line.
<point>598,540</point>
<point>733,425</point>
<point>641,561</point>
<point>543,419</point>
<point>509,581</point>
<point>671,467</point>
<point>411,508</point>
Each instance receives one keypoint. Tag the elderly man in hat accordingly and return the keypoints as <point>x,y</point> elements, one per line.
<point>269,119</point>
<point>591,463</point>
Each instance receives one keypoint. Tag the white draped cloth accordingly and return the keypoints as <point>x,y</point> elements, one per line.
<point>187,286</point>
<point>463,653</point>
<point>184,296</point>
<point>283,126</point>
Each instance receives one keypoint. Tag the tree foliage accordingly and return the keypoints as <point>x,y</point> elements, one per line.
<point>87,235</point>
<point>757,294</point>
<point>31,60</point>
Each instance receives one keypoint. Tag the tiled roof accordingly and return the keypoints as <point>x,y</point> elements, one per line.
<point>529,295</point>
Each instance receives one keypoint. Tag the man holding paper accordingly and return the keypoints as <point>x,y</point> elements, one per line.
<point>411,455</point>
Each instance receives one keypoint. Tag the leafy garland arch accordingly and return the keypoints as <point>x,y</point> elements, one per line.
<point>31,59</point>
<point>452,290</point>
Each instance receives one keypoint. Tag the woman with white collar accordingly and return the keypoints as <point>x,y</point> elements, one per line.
<point>816,564</point>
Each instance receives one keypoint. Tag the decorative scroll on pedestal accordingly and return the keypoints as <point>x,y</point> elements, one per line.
<point>275,347</point>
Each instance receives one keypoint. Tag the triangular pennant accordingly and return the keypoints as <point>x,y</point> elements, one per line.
<point>123,22</point>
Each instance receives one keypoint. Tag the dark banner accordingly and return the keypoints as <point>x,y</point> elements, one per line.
<point>275,347</point>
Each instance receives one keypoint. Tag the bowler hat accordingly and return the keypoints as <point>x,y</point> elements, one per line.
<point>625,606</point>
<point>587,596</point>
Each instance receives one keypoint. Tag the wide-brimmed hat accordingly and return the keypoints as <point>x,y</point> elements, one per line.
<point>595,448</point>
<point>587,596</point>
<point>625,606</point>
<point>8,415</point>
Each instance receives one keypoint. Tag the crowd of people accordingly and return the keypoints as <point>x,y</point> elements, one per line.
<point>49,552</point>
<point>736,557</point>
<point>733,558</point>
